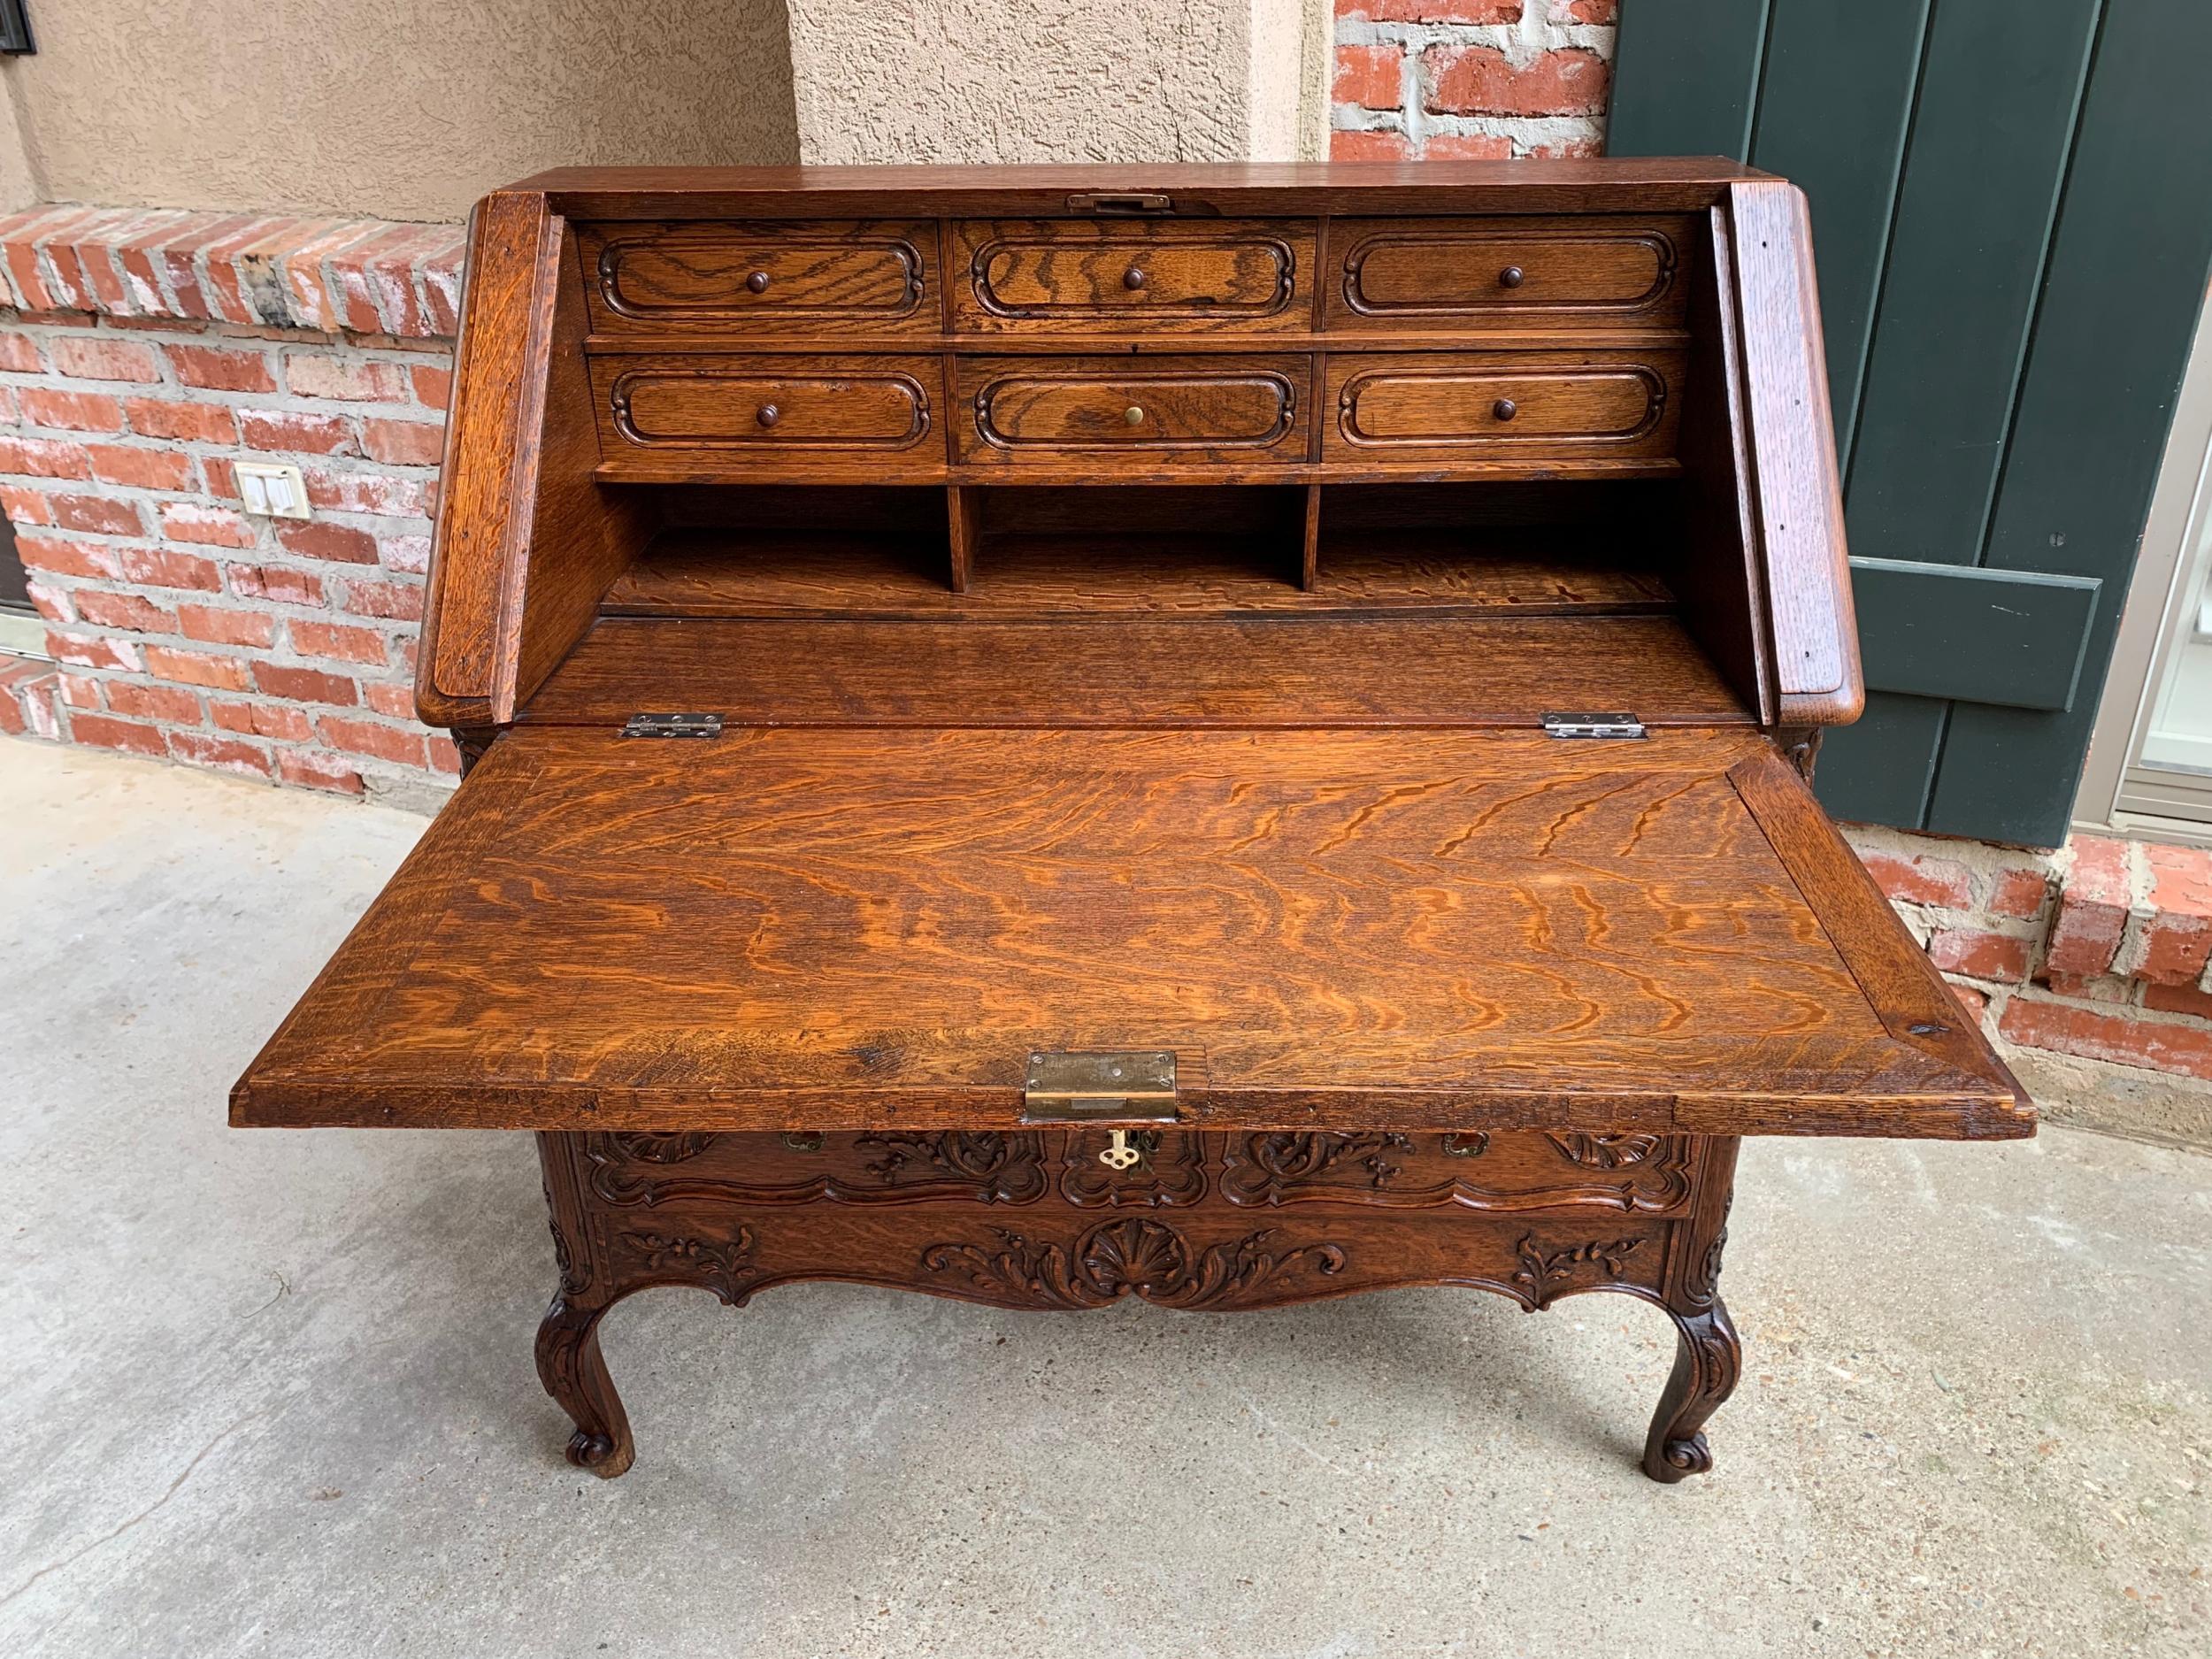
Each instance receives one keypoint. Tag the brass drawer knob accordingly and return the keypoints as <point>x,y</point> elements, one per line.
<point>757,282</point>
<point>1505,409</point>
<point>1133,278</point>
<point>768,415</point>
<point>1133,415</point>
<point>1512,277</point>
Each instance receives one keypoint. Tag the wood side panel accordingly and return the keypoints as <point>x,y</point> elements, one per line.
<point>1712,564</point>
<point>579,536</point>
<point>1341,930</point>
<point>499,367</point>
<point>1903,987</point>
<point>1796,490</point>
<point>1137,671</point>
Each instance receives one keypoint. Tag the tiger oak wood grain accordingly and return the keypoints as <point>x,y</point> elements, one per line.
<point>836,928</point>
<point>759,280</point>
<point>1132,276</point>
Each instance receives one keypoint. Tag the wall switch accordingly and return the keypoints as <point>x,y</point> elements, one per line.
<point>272,490</point>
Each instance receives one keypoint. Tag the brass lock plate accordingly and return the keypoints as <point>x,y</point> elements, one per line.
<point>1068,1085</point>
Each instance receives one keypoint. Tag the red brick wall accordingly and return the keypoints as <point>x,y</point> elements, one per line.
<point>1485,79</point>
<point>144,353</point>
<point>2100,952</point>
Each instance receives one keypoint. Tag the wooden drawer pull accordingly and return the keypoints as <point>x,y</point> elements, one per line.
<point>757,282</point>
<point>768,414</point>
<point>1512,277</point>
<point>1505,409</point>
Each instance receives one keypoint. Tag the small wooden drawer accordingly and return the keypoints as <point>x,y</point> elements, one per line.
<point>772,412</point>
<point>1085,276</point>
<point>1510,1170</point>
<point>754,278</point>
<point>1506,274</point>
<point>651,1170</point>
<point>1045,413</point>
<point>1517,407</point>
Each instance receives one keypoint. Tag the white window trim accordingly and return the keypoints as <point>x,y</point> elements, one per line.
<point>2149,631</point>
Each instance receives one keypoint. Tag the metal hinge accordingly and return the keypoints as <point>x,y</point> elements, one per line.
<point>1578,724</point>
<point>673,725</point>
<point>1119,1083</point>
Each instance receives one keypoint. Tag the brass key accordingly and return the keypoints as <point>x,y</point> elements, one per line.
<point>1119,1155</point>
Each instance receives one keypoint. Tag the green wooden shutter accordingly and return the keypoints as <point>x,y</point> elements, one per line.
<point>2012,217</point>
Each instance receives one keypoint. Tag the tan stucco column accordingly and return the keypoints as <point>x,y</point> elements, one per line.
<point>980,80</point>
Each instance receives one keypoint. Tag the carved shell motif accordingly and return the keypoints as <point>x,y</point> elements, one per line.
<point>1118,1258</point>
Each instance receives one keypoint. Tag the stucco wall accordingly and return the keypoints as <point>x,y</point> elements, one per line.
<point>980,80</point>
<point>391,109</point>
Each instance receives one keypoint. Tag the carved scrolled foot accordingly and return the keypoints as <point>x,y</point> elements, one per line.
<point>1707,1359</point>
<point>574,1372</point>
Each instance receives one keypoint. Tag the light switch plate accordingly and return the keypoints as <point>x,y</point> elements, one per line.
<point>273,490</point>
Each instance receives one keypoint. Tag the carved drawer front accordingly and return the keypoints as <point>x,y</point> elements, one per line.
<point>647,1171</point>
<point>1079,276</point>
<point>1506,274</point>
<point>1507,1170</point>
<point>775,412</point>
<point>1502,407</point>
<point>757,278</point>
<point>1039,411</point>
<point>1133,1168</point>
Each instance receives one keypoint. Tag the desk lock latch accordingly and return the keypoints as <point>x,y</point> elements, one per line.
<point>1069,1085</point>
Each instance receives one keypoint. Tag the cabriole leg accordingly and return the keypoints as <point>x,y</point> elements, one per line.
<point>575,1374</point>
<point>1707,1359</point>
<point>569,1362</point>
<point>1708,1356</point>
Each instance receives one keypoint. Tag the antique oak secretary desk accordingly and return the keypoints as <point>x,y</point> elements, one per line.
<point>1225,735</point>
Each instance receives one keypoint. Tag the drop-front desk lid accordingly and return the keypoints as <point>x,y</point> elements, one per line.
<point>859,928</point>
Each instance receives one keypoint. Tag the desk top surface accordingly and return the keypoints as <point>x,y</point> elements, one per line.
<point>869,928</point>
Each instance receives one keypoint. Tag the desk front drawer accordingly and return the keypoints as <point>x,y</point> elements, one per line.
<point>1506,274</point>
<point>1519,407</point>
<point>1510,1170</point>
<point>776,413</point>
<point>754,278</point>
<point>1048,412</point>
<point>1088,276</point>
<point>801,1167</point>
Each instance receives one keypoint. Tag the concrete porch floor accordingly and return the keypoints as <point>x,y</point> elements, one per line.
<point>272,1393</point>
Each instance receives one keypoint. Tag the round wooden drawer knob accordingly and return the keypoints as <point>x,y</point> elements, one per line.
<point>1512,277</point>
<point>768,415</point>
<point>757,282</point>
<point>1133,278</point>
<point>1505,409</point>
<point>1133,415</point>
